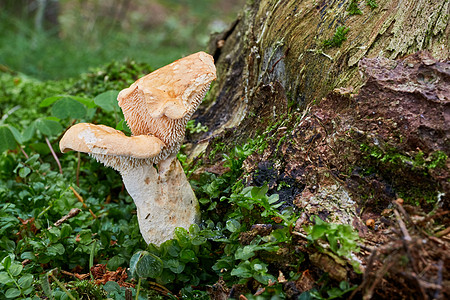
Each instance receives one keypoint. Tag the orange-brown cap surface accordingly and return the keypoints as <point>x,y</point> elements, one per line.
<point>100,139</point>
<point>171,91</point>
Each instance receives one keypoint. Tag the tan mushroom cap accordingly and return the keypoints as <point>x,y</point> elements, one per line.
<point>170,90</point>
<point>104,140</point>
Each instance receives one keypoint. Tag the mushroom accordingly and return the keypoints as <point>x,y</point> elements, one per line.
<point>156,108</point>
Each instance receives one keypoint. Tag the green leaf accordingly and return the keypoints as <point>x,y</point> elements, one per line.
<point>68,108</point>
<point>28,255</point>
<point>182,236</point>
<point>246,252</point>
<point>122,126</point>
<point>5,278</point>
<point>149,265</point>
<point>28,133</point>
<point>305,296</point>
<point>233,225</point>
<point>6,262</point>
<point>15,269</point>
<point>46,286</point>
<point>12,293</point>
<point>25,281</point>
<point>259,192</point>
<point>133,262</point>
<point>48,127</point>
<point>50,100</point>
<point>175,266</point>
<point>111,286</point>
<point>187,255</point>
<point>194,229</point>
<point>23,172</point>
<point>56,249</point>
<point>17,135</point>
<point>7,140</point>
<point>242,270</point>
<point>264,278</point>
<point>273,198</point>
<point>198,240</point>
<point>7,244</point>
<point>66,230</point>
<point>173,248</point>
<point>166,277</point>
<point>318,231</point>
<point>86,101</point>
<point>27,291</point>
<point>108,101</point>
<point>85,236</point>
<point>115,262</point>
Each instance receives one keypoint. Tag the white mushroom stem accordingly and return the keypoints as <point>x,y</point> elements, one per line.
<point>156,108</point>
<point>163,197</point>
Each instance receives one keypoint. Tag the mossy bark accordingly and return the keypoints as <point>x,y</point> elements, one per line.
<point>273,58</point>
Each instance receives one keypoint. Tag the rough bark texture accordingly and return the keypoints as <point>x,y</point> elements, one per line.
<point>272,64</point>
<point>273,57</point>
<point>347,129</point>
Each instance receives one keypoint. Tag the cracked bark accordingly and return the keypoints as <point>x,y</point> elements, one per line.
<point>273,57</point>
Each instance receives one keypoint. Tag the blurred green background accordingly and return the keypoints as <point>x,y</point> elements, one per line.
<point>56,39</point>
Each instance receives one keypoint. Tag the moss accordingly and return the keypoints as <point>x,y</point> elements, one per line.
<point>353,8</point>
<point>372,4</point>
<point>218,148</point>
<point>409,175</point>
<point>338,38</point>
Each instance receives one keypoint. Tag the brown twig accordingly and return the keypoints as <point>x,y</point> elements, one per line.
<point>433,216</point>
<point>161,289</point>
<point>78,196</point>
<point>368,270</point>
<point>403,211</point>
<point>442,232</point>
<point>377,280</point>
<point>54,155</point>
<point>406,240</point>
<point>23,152</point>
<point>72,213</point>
<point>420,284</point>
<point>76,275</point>
<point>403,228</point>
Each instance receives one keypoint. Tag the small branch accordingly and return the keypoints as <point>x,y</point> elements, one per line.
<point>161,289</point>
<point>72,213</point>
<point>442,232</point>
<point>299,234</point>
<point>406,240</point>
<point>78,196</point>
<point>403,228</point>
<point>23,152</point>
<point>54,155</point>
<point>76,275</point>
<point>368,295</point>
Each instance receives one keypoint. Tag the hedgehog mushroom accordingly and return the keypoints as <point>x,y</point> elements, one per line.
<point>156,108</point>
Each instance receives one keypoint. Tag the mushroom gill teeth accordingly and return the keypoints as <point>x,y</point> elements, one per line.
<point>118,163</point>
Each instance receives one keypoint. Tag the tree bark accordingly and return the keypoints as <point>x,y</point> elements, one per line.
<point>273,58</point>
<point>273,65</point>
<point>347,129</point>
